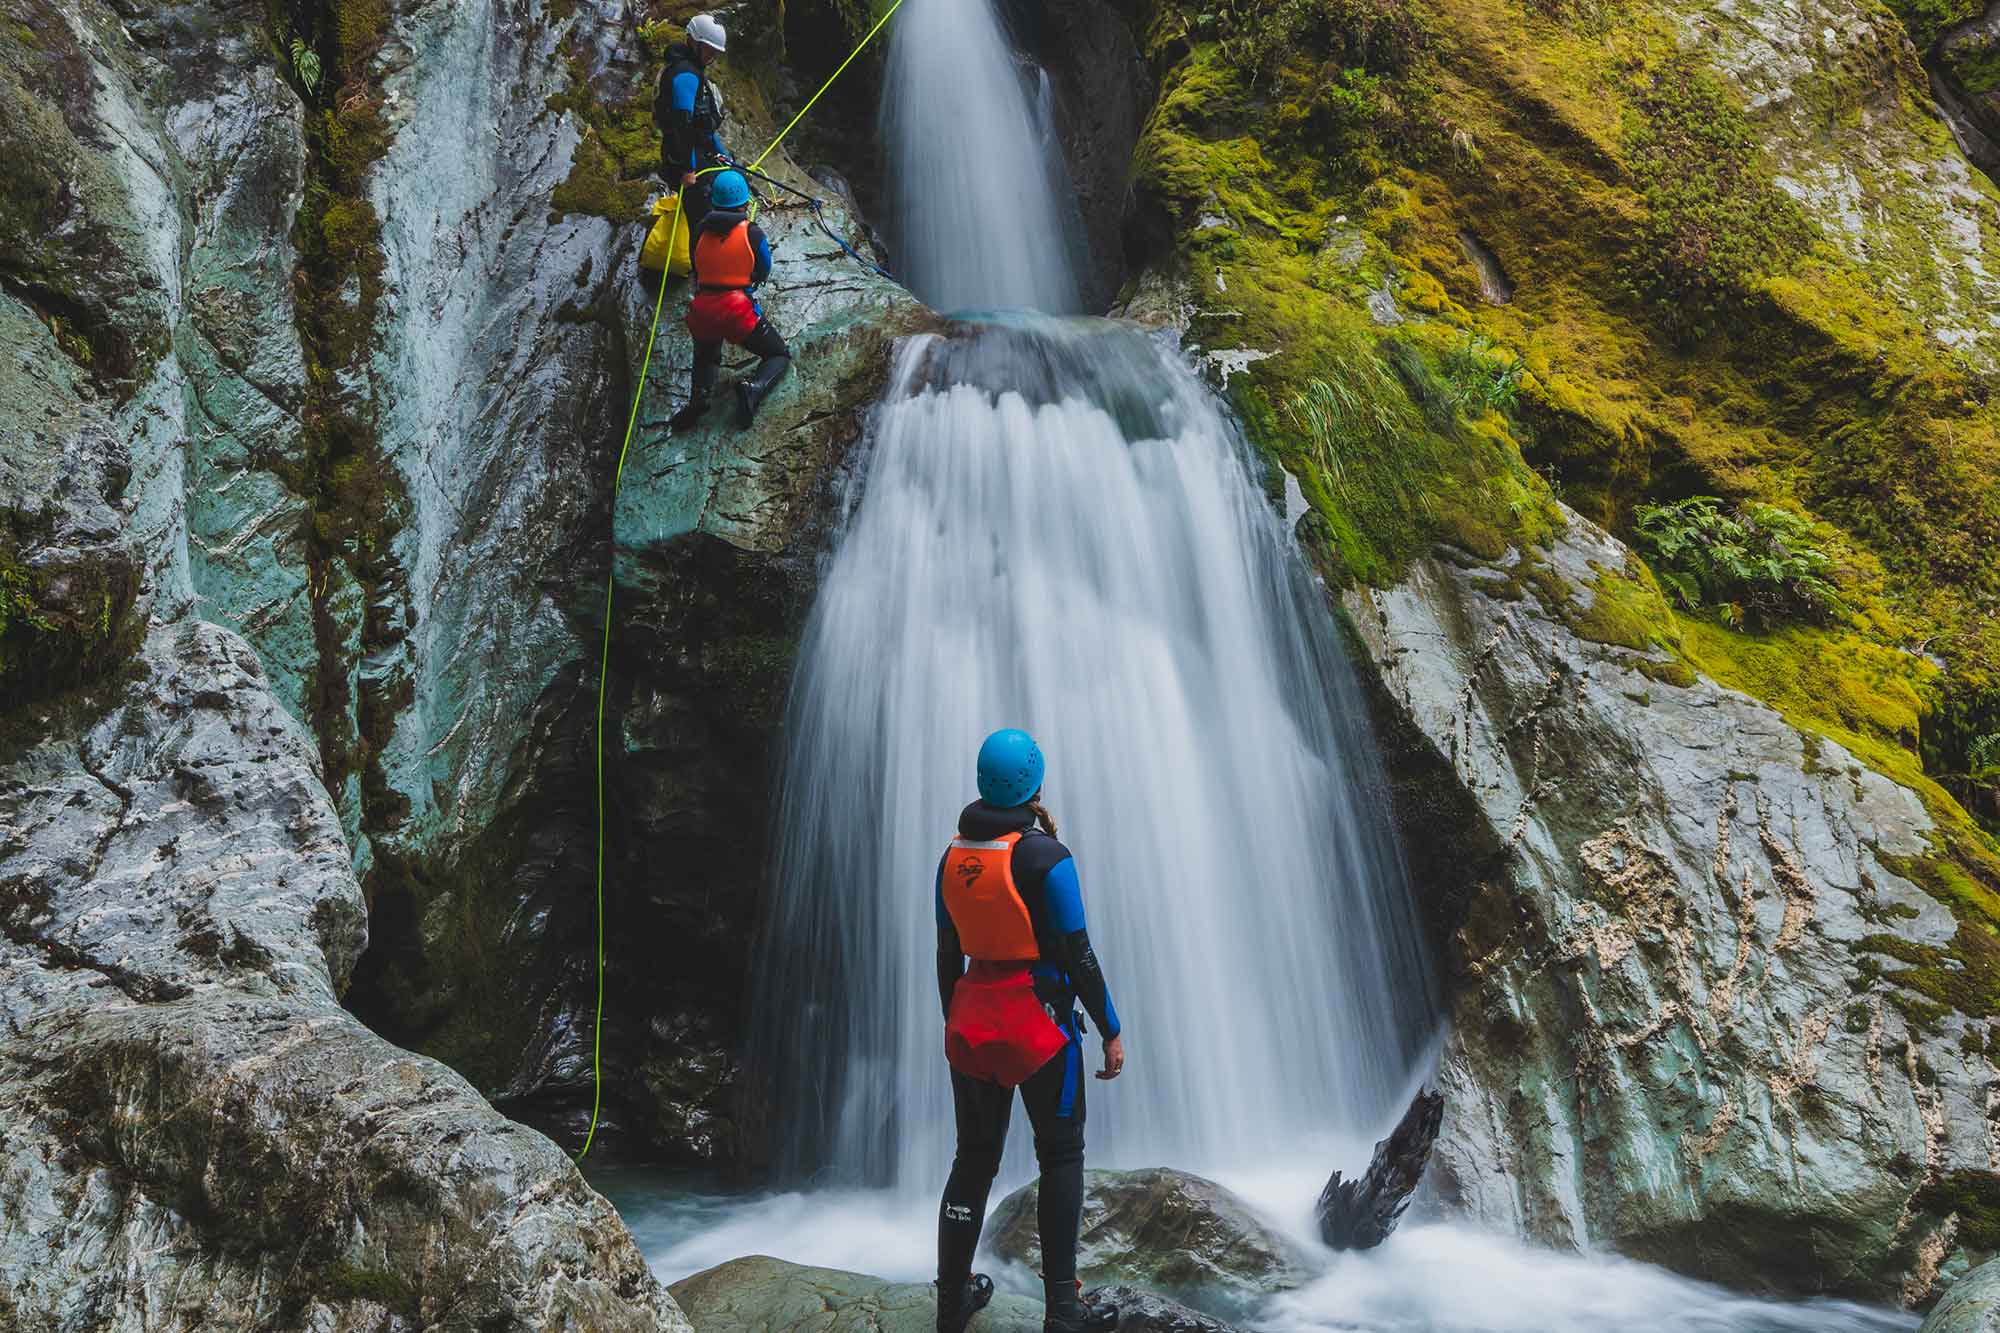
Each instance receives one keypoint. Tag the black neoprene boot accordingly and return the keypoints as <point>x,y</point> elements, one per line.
<point>750,393</point>
<point>956,1308</point>
<point>1067,1311</point>
<point>701,392</point>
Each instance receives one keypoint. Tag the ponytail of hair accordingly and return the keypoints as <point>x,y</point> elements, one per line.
<point>1042,815</point>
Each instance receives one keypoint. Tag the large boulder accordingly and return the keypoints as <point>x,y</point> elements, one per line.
<point>1682,1024</point>
<point>778,1297</point>
<point>199,1136</point>
<point>1971,1306</point>
<point>1164,1230</point>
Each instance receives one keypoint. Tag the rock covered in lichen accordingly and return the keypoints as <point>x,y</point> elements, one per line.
<point>199,1135</point>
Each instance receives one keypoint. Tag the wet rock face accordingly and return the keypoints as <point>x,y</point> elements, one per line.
<point>1165,1231</point>
<point>778,1297</point>
<point>198,1135</point>
<point>508,360</point>
<point>1667,1036</point>
<point>1971,1306</point>
<point>718,536</point>
<point>1102,93</point>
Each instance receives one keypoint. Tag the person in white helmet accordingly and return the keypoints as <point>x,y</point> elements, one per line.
<point>689,116</point>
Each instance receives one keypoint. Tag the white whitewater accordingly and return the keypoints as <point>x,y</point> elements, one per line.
<point>973,213</point>
<point>1055,529</point>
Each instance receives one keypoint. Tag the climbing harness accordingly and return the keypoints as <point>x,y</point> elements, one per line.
<point>610,577</point>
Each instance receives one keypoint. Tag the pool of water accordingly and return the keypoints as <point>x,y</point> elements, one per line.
<point>1430,1277</point>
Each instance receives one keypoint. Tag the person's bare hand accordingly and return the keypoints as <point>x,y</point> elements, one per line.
<point>1114,1058</point>
<point>687,180</point>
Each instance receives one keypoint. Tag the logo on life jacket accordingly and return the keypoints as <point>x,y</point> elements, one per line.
<point>969,869</point>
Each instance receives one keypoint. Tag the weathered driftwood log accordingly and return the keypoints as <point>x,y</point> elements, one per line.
<point>1360,1214</point>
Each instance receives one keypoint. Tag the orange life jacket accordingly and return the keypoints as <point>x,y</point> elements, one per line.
<point>979,894</point>
<point>725,263</point>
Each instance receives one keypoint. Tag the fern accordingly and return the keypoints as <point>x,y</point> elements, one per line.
<point>1755,565</point>
<point>1983,755</point>
<point>305,63</point>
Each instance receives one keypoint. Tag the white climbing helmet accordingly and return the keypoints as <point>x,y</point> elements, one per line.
<point>707,30</point>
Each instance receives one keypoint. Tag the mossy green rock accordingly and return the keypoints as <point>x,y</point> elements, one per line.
<point>773,1296</point>
<point>199,1134</point>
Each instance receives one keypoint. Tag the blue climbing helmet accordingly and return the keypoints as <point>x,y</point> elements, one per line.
<point>1010,768</point>
<point>730,190</point>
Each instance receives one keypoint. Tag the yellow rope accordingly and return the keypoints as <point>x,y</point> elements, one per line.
<point>603,674</point>
<point>610,578</point>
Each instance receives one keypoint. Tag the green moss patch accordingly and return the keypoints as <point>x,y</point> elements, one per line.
<point>61,626</point>
<point>1715,222</point>
<point>617,155</point>
<point>1974,1196</point>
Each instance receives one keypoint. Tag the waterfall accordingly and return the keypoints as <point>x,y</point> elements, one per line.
<point>973,167</point>
<point>1055,529</point>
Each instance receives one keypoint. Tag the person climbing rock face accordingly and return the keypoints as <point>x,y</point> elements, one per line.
<point>730,258</point>
<point>1008,898</point>
<point>688,114</point>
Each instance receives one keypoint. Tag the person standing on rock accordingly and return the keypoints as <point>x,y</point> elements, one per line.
<point>688,115</point>
<point>730,257</point>
<point>1008,899</point>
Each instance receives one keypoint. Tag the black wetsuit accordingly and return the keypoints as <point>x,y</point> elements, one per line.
<point>690,125</point>
<point>1045,877</point>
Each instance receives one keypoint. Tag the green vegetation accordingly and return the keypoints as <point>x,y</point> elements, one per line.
<point>305,65</point>
<point>1973,62</point>
<point>352,1282</point>
<point>618,153</point>
<point>1928,19</point>
<point>1975,1197</point>
<point>1677,328</point>
<point>61,627</point>
<point>1714,221</point>
<point>1481,377</point>
<point>356,495</point>
<point>1756,565</point>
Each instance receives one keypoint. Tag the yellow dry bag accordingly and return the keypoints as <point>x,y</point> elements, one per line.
<point>667,243</point>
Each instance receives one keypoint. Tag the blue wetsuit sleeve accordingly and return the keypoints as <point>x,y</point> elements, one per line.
<point>1063,892</point>
<point>950,954</point>
<point>679,127</point>
<point>686,84</point>
<point>1065,896</point>
<point>761,269</point>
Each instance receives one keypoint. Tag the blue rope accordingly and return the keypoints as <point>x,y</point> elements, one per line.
<point>819,218</point>
<point>840,241</point>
